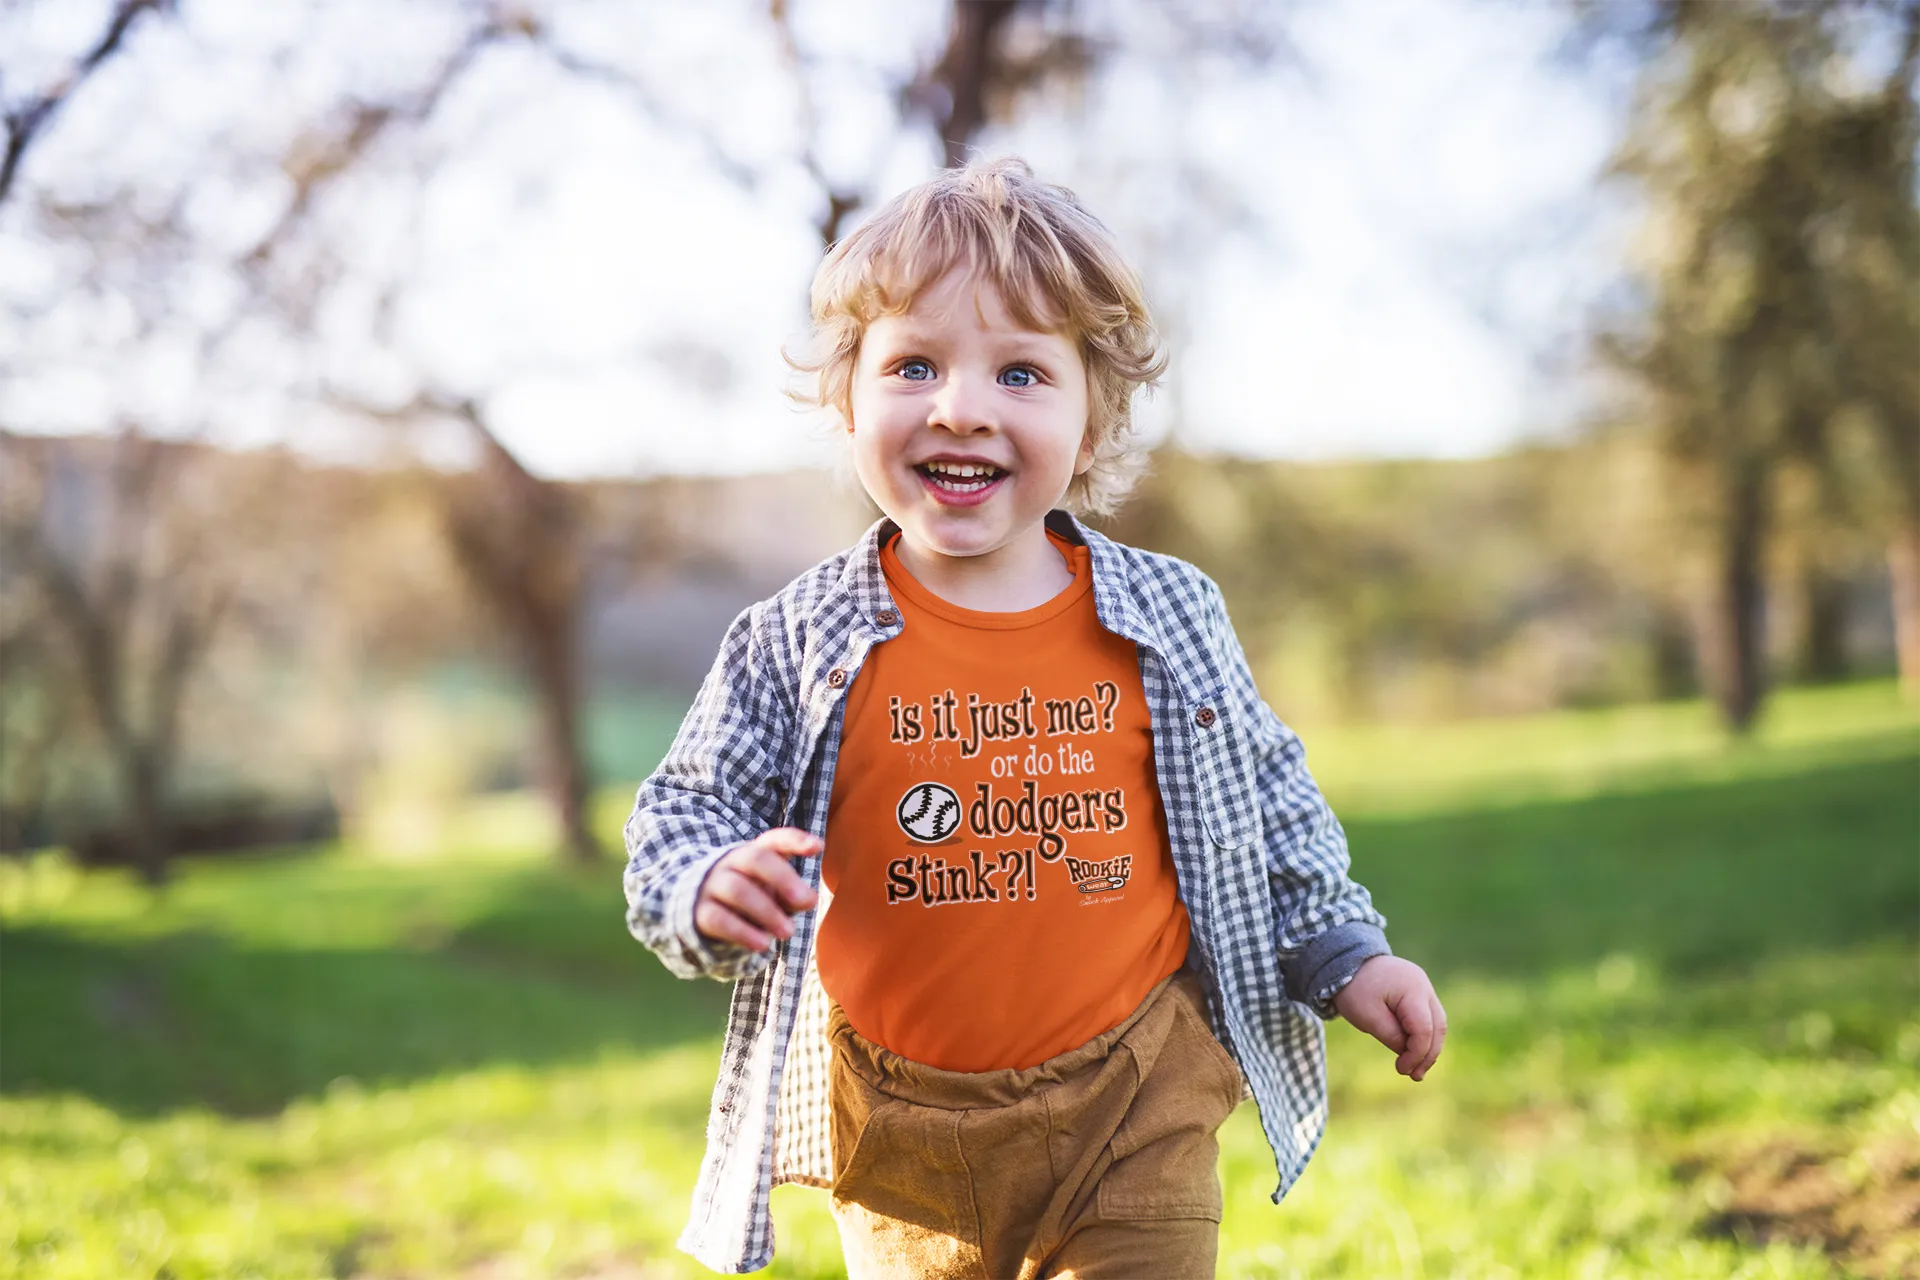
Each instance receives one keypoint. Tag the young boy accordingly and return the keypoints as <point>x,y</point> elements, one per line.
<point>1084,895</point>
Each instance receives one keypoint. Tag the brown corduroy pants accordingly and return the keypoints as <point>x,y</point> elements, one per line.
<point>1099,1162</point>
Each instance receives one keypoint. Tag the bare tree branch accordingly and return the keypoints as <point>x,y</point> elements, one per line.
<point>318,160</point>
<point>26,121</point>
<point>729,166</point>
<point>841,201</point>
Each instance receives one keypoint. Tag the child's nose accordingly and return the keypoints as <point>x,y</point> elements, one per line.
<point>963,406</point>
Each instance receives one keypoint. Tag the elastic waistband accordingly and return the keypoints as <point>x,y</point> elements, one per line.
<point>917,1082</point>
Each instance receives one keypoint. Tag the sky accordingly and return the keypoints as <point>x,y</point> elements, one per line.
<point>1421,234</point>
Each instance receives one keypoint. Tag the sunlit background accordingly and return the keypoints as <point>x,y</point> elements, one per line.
<point>393,415</point>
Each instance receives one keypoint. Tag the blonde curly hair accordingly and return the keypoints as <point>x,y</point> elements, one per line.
<point>1054,264</point>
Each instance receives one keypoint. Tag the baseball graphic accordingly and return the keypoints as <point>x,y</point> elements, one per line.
<point>929,812</point>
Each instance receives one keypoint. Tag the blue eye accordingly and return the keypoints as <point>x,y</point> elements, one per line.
<point>1019,376</point>
<point>916,371</point>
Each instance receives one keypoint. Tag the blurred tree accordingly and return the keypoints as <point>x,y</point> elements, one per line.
<point>131,590</point>
<point>1815,560</point>
<point>995,62</point>
<point>131,549</point>
<point>31,712</point>
<point>1779,200</point>
<point>1003,62</point>
<point>524,542</point>
<point>525,545</point>
<point>1903,564</point>
<point>1420,589</point>
<point>1776,146</point>
<point>1870,249</point>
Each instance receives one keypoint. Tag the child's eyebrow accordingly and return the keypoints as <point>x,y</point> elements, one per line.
<point>1021,342</point>
<point>902,336</point>
<point>1038,348</point>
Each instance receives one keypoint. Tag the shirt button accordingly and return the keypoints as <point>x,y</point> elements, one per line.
<point>837,677</point>
<point>1204,717</point>
<point>886,617</point>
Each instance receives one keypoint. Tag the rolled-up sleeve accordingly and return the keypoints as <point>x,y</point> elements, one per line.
<point>1325,925</point>
<point>720,786</point>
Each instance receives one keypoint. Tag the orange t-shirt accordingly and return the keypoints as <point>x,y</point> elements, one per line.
<point>996,846</point>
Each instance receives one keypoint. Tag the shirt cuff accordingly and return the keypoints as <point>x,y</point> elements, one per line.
<point>724,961</point>
<point>1328,963</point>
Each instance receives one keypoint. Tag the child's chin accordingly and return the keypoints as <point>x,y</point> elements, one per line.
<point>948,548</point>
<point>942,542</point>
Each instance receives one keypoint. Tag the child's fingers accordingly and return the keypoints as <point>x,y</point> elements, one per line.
<point>1416,1016</point>
<point>791,841</point>
<point>721,924</point>
<point>766,861</point>
<point>1376,1019</point>
<point>1439,1015</point>
<point>745,897</point>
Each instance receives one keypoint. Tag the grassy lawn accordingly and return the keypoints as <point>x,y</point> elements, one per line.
<point>1683,983</point>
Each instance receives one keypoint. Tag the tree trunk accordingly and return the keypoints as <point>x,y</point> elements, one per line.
<point>563,764</point>
<point>143,814</point>
<point>1733,655</point>
<point>1823,626</point>
<point>1674,657</point>
<point>1903,568</point>
<point>518,538</point>
<point>966,72</point>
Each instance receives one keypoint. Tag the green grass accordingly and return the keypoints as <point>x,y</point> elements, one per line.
<point>1681,979</point>
<point>1422,768</point>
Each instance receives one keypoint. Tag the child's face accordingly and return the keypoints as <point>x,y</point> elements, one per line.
<point>957,381</point>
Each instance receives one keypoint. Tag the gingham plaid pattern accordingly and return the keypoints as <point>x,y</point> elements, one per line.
<point>1278,926</point>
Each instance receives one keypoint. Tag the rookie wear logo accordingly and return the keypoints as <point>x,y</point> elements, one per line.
<point>1100,877</point>
<point>929,812</point>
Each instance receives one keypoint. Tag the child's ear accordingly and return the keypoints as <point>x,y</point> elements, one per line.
<point>1083,461</point>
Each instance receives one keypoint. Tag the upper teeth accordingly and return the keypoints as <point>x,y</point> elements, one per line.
<point>961,469</point>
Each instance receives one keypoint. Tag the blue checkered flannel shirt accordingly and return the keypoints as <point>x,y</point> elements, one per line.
<point>1278,927</point>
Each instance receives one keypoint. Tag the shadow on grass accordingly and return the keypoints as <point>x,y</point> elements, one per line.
<point>252,986</point>
<point>194,1018</point>
<point>1699,878</point>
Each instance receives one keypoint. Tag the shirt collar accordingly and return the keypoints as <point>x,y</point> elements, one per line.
<point>863,583</point>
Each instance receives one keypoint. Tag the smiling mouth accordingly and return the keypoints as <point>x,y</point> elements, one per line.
<point>960,478</point>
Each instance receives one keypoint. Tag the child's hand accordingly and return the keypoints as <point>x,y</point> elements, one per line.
<point>750,894</point>
<point>1392,1000</point>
